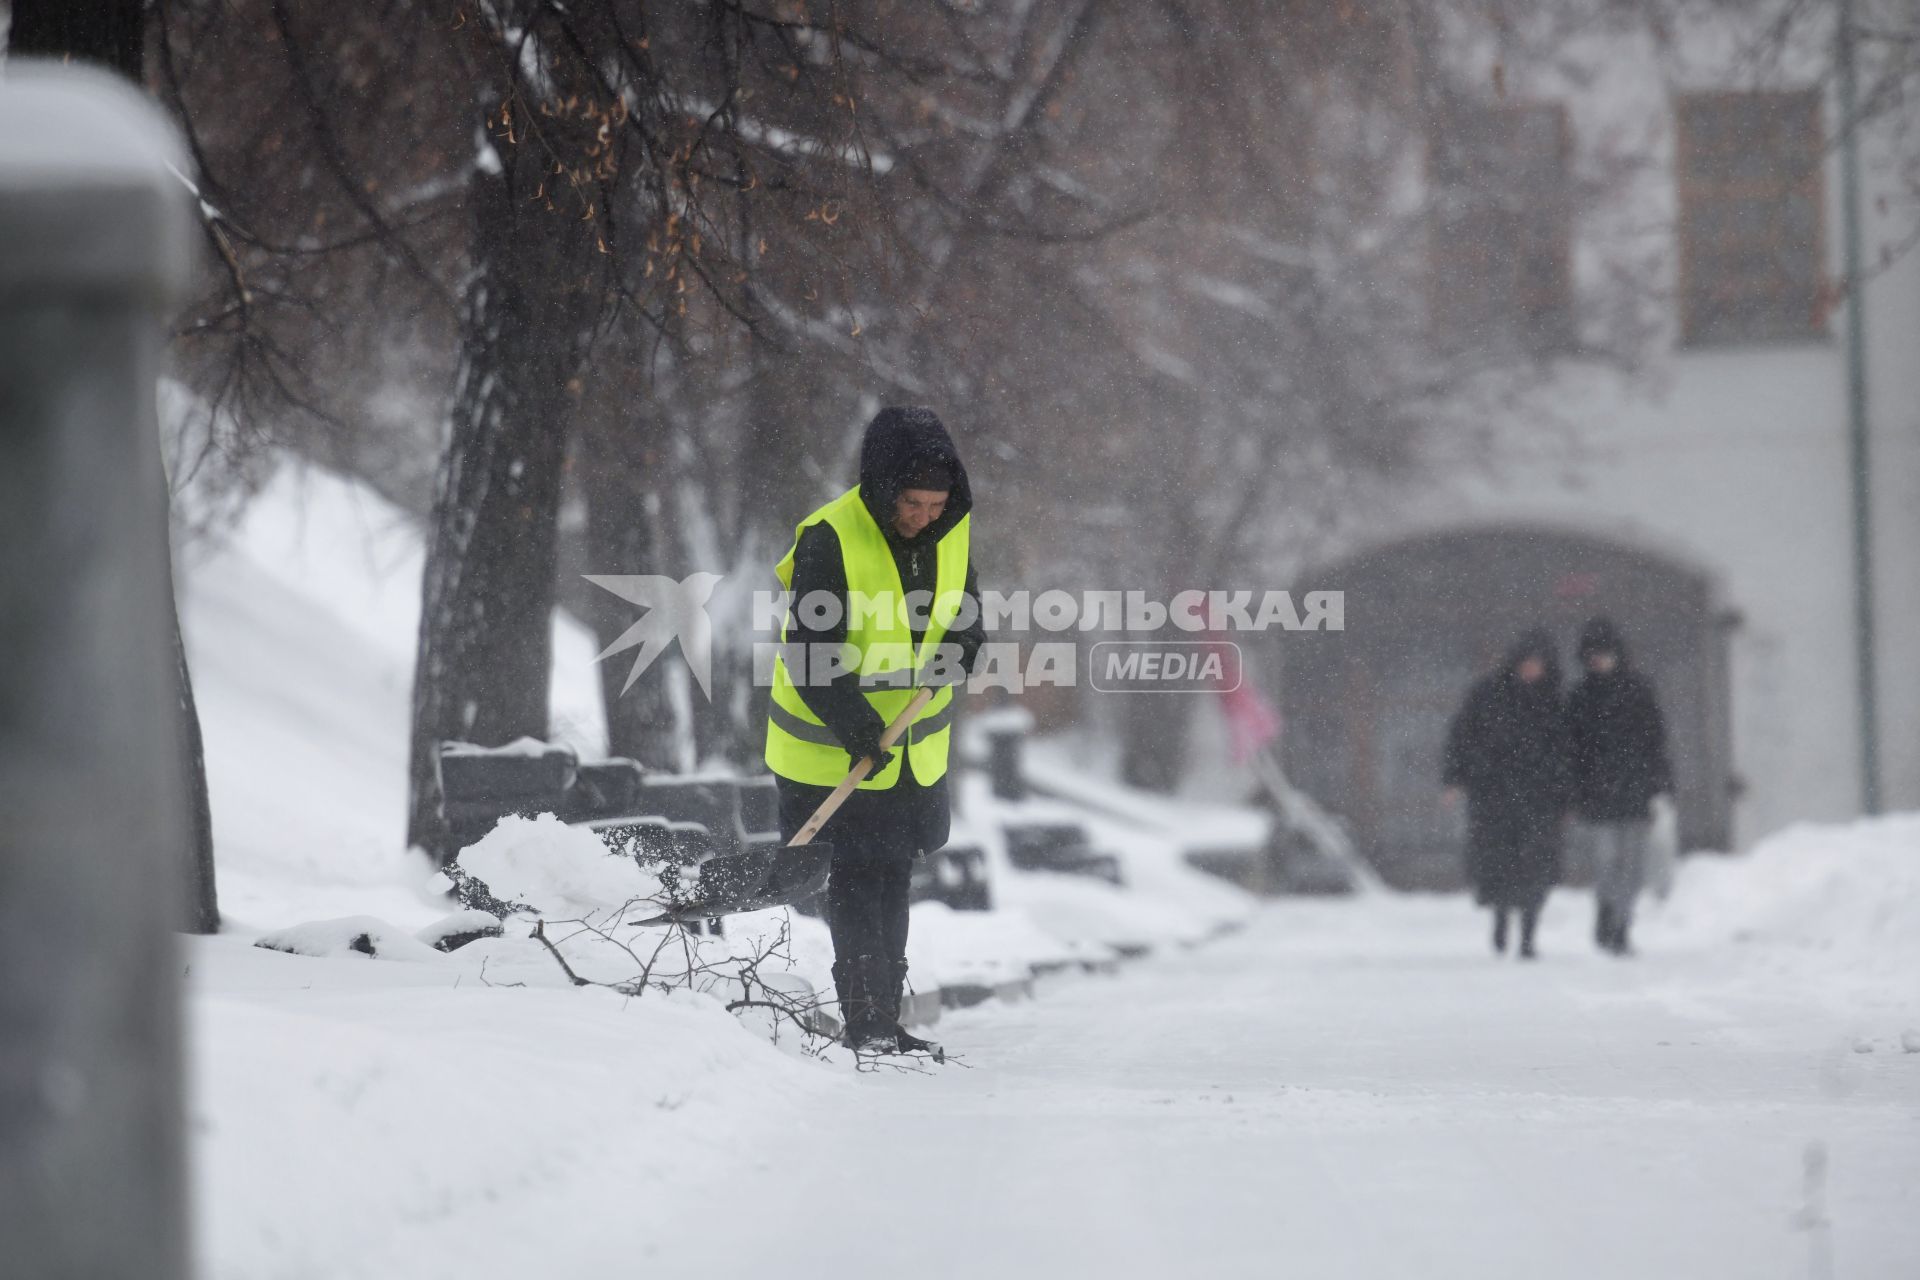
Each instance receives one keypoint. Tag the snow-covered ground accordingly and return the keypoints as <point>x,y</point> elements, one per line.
<point>1340,1088</point>
<point>1353,1089</point>
<point>1360,1090</point>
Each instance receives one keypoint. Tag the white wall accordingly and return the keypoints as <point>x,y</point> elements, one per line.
<point>1734,462</point>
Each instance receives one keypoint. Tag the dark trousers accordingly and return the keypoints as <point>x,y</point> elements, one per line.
<point>875,837</point>
<point>867,915</point>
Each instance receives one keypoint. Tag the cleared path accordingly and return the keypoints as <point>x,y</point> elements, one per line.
<point>1362,1090</point>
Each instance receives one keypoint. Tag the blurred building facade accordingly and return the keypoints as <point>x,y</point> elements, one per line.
<point>1702,499</point>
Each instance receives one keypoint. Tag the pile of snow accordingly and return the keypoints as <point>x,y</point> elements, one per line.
<point>562,872</point>
<point>1850,888</point>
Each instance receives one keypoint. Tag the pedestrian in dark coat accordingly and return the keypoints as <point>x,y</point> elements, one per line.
<point>915,489</point>
<point>1619,745</point>
<point>1507,750</point>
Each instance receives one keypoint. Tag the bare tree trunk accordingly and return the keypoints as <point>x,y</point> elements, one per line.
<point>487,600</point>
<point>203,901</point>
<point>623,537</point>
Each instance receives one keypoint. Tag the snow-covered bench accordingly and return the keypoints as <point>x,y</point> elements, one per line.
<point>1057,844</point>
<point>713,839</point>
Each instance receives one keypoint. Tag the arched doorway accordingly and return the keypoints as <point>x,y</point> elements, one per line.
<point>1367,708</point>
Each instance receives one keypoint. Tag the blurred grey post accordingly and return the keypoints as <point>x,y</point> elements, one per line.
<point>1859,434</point>
<point>94,230</point>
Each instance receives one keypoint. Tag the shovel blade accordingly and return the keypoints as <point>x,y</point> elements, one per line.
<point>753,881</point>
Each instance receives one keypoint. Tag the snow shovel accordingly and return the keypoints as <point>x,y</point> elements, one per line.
<point>792,870</point>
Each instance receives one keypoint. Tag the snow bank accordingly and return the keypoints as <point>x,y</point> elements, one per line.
<point>300,621</point>
<point>1848,888</point>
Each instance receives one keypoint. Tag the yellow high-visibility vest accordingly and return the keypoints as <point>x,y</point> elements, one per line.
<point>879,645</point>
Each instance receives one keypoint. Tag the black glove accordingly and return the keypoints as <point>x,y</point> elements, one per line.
<point>867,743</point>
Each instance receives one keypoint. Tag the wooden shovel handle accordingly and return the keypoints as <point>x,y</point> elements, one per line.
<point>861,768</point>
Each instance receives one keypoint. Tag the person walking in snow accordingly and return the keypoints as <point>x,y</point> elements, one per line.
<point>1619,754</point>
<point>904,529</point>
<point>1507,751</point>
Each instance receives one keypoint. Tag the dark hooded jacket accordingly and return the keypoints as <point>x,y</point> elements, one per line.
<point>1617,735</point>
<point>899,444</point>
<point>1507,749</point>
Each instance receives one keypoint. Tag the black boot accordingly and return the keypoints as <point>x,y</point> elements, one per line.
<point>893,999</point>
<point>1604,928</point>
<point>863,1013</point>
<point>1500,930</point>
<point>1621,945</point>
<point>894,994</point>
<point>1529,920</point>
<point>906,1042</point>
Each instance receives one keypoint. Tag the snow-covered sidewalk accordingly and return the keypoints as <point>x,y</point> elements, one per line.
<point>1345,1089</point>
<point>1360,1091</point>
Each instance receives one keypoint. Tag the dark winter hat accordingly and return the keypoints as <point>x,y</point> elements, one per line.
<point>928,473</point>
<point>1600,635</point>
